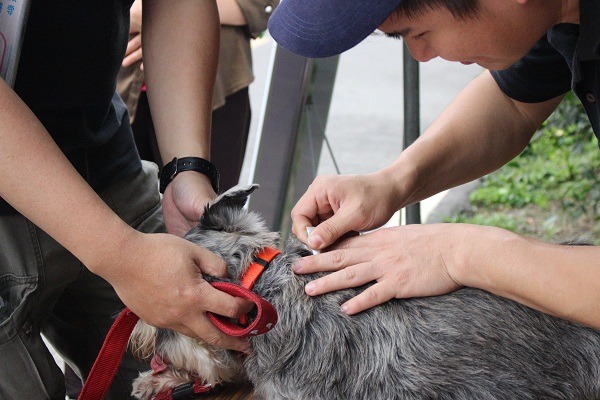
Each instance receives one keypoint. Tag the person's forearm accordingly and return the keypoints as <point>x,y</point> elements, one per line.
<point>230,13</point>
<point>480,131</point>
<point>181,42</point>
<point>556,279</point>
<point>41,184</point>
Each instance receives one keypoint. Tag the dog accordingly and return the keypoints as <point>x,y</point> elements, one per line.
<point>468,344</point>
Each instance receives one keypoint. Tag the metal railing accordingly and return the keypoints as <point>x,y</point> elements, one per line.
<point>291,131</point>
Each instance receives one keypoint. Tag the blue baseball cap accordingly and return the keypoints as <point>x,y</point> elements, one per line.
<point>324,28</point>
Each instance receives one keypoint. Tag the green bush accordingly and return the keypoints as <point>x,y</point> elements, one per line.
<point>555,180</point>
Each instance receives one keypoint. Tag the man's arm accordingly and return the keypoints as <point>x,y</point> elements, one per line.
<point>180,46</point>
<point>480,131</point>
<point>41,184</point>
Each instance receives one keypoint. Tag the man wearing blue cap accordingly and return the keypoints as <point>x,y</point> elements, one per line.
<point>535,52</point>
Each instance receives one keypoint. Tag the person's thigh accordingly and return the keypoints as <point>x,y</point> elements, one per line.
<point>28,292</point>
<point>86,309</point>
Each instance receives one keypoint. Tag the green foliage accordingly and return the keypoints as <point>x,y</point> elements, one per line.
<point>557,175</point>
<point>495,219</point>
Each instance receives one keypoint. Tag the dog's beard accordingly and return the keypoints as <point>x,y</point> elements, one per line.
<point>188,360</point>
<point>142,341</point>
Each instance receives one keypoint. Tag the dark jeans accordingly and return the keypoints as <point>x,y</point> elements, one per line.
<point>45,289</point>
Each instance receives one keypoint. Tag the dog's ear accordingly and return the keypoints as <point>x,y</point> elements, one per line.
<point>234,198</point>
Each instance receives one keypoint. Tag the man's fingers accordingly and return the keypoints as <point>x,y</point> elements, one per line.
<point>329,261</point>
<point>331,230</point>
<point>373,296</point>
<point>134,44</point>
<point>335,258</point>
<point>303,215</point>
<point>213,336</point>
<point>299,230</point>
<point>208,262</point>
<point>224,304</point>
<point>352,276</point>
<point>132,58</point>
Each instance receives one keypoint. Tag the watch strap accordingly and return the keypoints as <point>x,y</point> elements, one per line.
<point>177,165</point>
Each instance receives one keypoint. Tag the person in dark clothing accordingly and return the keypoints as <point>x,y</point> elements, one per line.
<point>78,205</point>
<point>534,51</point>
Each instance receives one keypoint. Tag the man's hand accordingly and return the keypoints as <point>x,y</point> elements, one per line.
<point>184,201</point>
<point>160,278</point>
<point>133,53</point>
<point>336,205</point>
<point>407,261</point>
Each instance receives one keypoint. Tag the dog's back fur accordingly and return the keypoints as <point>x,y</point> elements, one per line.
<point>467,345</point>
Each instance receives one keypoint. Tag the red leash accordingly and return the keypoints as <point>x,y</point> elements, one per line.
<point>107,363</point>
<point>109,358</point>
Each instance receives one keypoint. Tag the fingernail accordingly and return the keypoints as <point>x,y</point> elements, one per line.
<point>315,241</point>
<point>344,308</point>
<point>247,349</point>
<point>310,288</point>
<point>297,267</point>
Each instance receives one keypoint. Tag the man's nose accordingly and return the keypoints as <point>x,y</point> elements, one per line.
<point>421,51</point>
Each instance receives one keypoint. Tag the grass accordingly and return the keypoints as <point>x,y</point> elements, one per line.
<point>552,189</point>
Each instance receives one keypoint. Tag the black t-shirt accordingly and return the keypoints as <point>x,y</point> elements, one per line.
<point>72,52</point>
<point>567,57</point>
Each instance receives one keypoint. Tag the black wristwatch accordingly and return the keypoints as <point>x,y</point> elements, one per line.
<point>177,165</point>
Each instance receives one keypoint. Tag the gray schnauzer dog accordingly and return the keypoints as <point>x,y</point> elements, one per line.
<point>467,345</point>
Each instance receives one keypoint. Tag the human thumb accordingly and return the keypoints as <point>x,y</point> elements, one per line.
<point>209,262</point>
<point>329,231</point>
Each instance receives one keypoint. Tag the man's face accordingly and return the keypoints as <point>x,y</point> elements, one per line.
<point>495,39</point>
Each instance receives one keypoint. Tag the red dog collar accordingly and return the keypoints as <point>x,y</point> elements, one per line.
<point>266,315</point>
<point>256,267</point>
